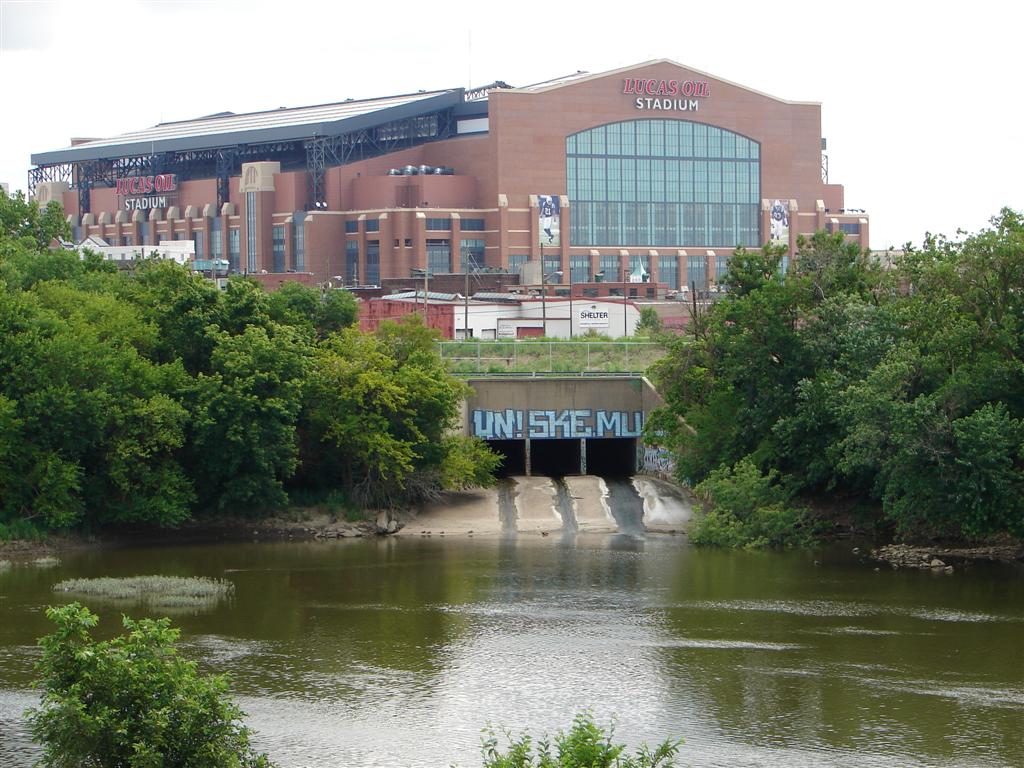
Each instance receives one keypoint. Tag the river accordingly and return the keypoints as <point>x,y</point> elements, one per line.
<point>397,651</point>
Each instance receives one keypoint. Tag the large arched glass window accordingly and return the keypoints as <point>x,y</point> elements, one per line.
<point>647,183</point>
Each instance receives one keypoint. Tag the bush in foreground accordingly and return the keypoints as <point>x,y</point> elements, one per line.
<point>132,702</point>
<point>585,745</point>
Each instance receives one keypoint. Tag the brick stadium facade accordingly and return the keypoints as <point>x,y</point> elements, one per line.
<point>655,167</point>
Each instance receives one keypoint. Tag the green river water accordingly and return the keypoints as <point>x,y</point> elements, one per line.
<point>397,651</point>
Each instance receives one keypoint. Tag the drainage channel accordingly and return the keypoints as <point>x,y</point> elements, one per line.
<point>508,490</point>
<point>626,505</point>
<point>564,506</point>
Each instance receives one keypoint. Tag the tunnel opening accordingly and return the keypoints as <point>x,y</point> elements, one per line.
<point>555,458</point>
<point>513,456</point>
<point>611,457</point>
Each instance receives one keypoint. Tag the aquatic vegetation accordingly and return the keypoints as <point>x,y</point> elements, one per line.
<point>46,562</point>
<point>153,591</point>
<point>584,744</point>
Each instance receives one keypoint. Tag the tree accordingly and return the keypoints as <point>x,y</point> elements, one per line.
<point>132,702</point>
<point>902,387</point>
<point>21,218</point>
<point>650,323</point>
<point>748,509</point>
<point>245,441</point>
<point>323,311</point>
<point>379,416</point>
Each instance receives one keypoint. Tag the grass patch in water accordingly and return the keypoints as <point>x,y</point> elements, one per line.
<point>170,592</point>
<point>46,562</point>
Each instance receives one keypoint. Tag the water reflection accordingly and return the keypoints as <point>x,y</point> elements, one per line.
<point>397,651</point>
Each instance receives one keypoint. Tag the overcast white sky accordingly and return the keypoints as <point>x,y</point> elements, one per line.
<point>921,102</point>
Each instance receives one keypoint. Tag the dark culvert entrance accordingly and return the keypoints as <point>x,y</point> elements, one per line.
<point>555,458</point>
<point>611,456</point>
<point>513,456</point>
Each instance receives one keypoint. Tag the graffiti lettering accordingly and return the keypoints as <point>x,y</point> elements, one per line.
<point>658,461</point>
<point>511,424</point>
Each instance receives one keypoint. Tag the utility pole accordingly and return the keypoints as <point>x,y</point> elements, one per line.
<point>693,311</point>
<point>543,303</point>
<point>426,293</point>
<point>571,316</point>
<point>465,316</point>
<point>543,289</point>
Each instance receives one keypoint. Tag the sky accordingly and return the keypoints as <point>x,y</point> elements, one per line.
<point>921,101</point>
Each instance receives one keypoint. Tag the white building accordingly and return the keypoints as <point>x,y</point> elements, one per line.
<point>512,316</point>
<point>180,251</point>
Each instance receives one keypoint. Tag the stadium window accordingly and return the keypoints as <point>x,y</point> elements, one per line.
<point>216,240</point>
<point>234,249</point>
<point>472,225</point>
<point>352,226</point>
<point>278,233</point>
<point>250,231</point>
<point>372,225</point>
<point>579,269</point>
<point>472,253</point>
<point>661,183</point>
<point>439,224</point>
<point>351,263</point>
<point>299,245</point>
<point>439,257</point>
<point>373,262</point>
<point>516,261</point>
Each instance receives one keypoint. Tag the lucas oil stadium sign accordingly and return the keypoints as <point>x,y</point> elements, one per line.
<point>137,191</point>
<point>679,95</point>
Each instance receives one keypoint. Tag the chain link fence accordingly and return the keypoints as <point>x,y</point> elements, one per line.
<point>549,357</point>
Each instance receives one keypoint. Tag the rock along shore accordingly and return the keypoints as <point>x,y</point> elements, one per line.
<point>944,558</point>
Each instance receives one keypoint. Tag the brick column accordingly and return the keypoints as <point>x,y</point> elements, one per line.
<point>503,226</point>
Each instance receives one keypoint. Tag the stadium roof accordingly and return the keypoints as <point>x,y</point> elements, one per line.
<point>431,295</point>
<point>581,77</point>
<point>227,129</point>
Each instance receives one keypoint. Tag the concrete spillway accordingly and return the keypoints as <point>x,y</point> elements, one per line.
<point>545,505</point>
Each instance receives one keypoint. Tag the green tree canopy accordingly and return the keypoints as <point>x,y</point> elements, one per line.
<point>902,386</point>
<point>147,395</point>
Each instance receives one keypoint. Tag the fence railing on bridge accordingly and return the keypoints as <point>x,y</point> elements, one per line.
<point>549,357</point>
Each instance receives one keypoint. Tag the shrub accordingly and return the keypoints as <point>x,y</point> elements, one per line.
<point>585,745</point>
<point>748,509</point>
<point>20,529</point>
<point>132,702</point>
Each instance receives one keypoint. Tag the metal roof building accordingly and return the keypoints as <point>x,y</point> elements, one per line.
<point>656,168</point>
